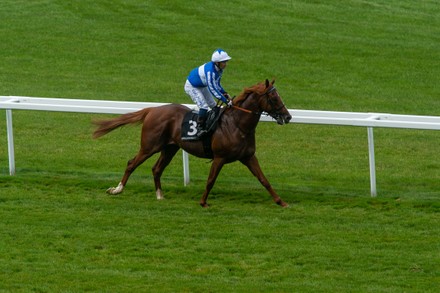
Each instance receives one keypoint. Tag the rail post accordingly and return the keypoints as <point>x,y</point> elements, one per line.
<point>185,168</point>
<point>372,162</point>
<point>10,142</point>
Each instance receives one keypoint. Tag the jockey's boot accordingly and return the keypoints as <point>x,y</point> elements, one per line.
<point>201,124</point>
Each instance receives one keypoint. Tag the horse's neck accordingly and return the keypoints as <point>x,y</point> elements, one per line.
<point>246,119</point>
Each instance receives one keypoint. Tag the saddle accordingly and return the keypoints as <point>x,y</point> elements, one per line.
<point>189,124</point>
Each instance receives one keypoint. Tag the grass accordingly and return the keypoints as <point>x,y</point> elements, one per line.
<point>90,241</point>
<point>76,239</point>
<point>59,231</point>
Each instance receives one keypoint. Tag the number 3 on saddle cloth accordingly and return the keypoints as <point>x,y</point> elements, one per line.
<point>189,124</point>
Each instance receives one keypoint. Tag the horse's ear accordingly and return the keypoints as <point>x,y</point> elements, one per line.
<point>267,83</point>
<point>273,81</point>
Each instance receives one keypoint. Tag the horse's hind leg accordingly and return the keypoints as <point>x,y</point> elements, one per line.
<point>131,166</point>
<point>165,158</point>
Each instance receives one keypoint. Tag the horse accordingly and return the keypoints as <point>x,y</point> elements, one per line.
<point>232,140</point>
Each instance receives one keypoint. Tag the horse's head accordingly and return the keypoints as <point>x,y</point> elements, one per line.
<point>272,104</point>
<point>263,98</point>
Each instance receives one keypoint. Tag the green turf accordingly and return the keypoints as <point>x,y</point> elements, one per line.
<point>60,232</point>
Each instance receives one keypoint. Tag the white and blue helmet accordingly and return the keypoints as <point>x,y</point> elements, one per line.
<point>220,56</point>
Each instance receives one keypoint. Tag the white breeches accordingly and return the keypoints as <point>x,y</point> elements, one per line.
<point>201,96</point>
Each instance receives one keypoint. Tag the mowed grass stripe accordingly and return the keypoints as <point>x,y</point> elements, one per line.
<point>61,232</point>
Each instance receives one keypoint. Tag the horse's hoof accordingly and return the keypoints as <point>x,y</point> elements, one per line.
<point>116,190</point>
<point>113,191</point>
<point>283,204</point>
<point>204,205</point>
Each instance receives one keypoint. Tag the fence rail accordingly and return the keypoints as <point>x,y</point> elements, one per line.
<point>369,120</point>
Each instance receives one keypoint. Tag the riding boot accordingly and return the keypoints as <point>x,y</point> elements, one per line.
<point>201,123</point>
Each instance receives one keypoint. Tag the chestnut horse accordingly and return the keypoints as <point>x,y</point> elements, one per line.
<point>233,139</point>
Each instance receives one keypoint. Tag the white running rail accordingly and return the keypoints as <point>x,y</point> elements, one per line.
<point>369,120</point>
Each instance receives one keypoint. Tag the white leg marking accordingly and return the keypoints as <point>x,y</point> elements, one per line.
<point>159,194</point>
<point>116,190</point>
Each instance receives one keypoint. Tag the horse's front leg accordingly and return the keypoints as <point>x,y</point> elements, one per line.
<point>216,167</point>
<point>254,167</point>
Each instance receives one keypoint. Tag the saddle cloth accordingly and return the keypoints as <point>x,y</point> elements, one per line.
<point>189,124</point>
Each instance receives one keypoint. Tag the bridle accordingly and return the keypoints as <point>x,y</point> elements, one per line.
<point>269,101</point>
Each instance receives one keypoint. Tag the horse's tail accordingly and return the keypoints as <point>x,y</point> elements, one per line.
<point>105,126</point>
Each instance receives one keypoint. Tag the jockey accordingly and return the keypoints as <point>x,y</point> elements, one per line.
<point>203,85</point>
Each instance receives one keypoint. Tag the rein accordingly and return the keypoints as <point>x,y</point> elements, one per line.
<point>243,109</point>
<point>257,113</point>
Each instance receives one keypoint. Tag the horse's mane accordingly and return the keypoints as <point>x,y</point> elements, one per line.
<point>259,88</point>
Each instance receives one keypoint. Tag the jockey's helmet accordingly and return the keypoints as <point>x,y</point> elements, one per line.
<point>220,56</point>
